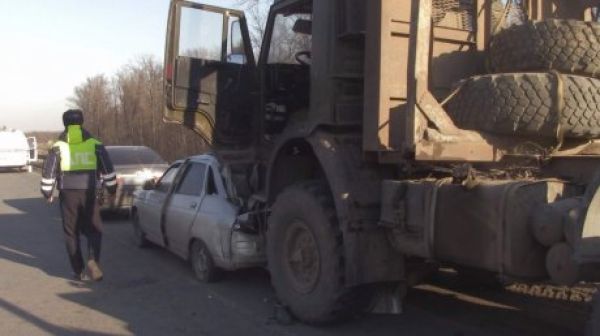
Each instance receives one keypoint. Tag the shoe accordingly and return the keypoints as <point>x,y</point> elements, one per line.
<point>81,277</point>
<point>94,270</point>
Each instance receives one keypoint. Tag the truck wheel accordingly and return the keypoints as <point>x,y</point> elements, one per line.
<point>202,262</point>
<point>305,254</point>
<point>524,104</point>
<point>138,234</point>
<point>568,46</point>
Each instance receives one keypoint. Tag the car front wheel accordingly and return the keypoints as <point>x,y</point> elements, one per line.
<point>138,234</point>
<point>202,262</point>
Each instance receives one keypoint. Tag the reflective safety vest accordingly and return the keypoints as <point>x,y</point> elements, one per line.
<point>76,154</point>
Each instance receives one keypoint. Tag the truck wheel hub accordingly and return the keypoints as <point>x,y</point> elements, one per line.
<point>302,257</point>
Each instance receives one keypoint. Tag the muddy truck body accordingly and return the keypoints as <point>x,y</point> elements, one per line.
<point>373,141</point>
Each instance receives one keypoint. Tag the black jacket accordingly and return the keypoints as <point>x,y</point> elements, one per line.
<point>53,177</point>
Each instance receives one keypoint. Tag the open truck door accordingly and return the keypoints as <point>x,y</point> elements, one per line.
<point>210,73</point>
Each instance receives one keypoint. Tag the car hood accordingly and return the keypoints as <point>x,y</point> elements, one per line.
<point>133,169</point>
<point>138,174</point>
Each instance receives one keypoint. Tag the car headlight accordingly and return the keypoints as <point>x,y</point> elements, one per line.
<point>144,175</point>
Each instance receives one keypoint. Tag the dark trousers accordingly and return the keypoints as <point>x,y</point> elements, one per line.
<point>81,215</point>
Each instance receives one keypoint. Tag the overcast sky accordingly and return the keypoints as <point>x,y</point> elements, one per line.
<point>50,46</point>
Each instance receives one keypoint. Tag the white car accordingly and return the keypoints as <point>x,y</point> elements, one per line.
<point>17,150</point>
<point>134,165</point>
<point>192,211</point>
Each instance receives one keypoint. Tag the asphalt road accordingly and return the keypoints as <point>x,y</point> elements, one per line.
<point>151,292</point>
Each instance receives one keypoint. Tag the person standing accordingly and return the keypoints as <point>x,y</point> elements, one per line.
<point>74,165</point>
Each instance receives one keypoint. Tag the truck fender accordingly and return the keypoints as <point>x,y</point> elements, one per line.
<point>356,190</point>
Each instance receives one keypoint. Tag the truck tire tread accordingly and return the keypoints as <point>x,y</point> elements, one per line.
<point>524,104</point>
<point>336,303</point>
<point>567,46</point>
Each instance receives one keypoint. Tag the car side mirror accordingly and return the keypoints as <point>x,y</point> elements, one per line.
<point>149,185</point>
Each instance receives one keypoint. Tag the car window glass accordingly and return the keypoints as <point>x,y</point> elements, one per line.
<point>211,186</point>
<point>193,180</point>
<point>167,179</point>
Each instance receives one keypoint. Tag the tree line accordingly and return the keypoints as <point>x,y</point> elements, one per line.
<point>127,109</point>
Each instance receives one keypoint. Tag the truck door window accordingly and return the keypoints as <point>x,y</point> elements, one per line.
<point>193,180</point>
<point>201,34</point>
<point>285,42</point>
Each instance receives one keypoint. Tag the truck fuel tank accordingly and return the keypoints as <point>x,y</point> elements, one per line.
<point>487,226</point>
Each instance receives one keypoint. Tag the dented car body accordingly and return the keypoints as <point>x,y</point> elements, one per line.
<point>193,201</point>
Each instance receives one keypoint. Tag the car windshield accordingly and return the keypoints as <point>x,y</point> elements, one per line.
<point>134,155</point>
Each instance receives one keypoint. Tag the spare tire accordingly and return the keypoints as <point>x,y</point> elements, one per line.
<point>568,46</point>
<point>525,104</point>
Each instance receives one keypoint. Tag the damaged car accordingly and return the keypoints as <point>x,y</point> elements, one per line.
<point>192,211</point>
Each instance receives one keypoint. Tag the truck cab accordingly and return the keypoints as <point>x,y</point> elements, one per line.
<point>232,101</point>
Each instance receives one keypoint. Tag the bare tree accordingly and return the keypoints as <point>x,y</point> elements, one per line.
<point>257,12</point>
<point>127,110</point>
<point>94,97</point>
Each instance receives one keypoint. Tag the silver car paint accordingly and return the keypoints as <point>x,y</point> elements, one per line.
<point>149,211</point>
<point>210,218</point>
<point>180,216</point>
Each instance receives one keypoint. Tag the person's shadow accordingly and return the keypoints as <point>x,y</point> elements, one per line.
<point>25,241</point>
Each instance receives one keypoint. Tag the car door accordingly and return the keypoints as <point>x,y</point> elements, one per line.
<point>216,217</point>
<point>151,211</point>
<point>210,73</point>
<point>183,206</point>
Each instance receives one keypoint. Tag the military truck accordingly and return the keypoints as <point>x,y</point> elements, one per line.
<point>372,141</point>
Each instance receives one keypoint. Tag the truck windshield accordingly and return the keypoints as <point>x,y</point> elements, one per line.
<point>285,42</point>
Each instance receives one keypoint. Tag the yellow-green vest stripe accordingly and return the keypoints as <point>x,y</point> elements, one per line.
<point>78,156</point>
